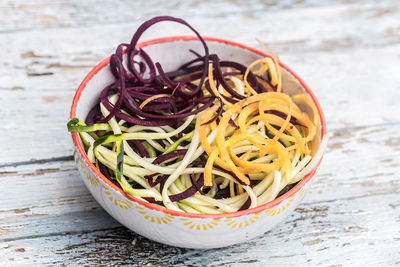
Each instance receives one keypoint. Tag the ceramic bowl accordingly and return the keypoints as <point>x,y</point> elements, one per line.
<point>181,229</point>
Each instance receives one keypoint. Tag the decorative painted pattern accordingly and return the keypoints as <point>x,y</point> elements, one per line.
<point>91,178</point>
<point>241,222</point>
<point>280,208</point>
<point>79,161</point>
<point>200,226</point>
<point>154,218</point>
<point>126,204</point>
<point>302,192</point>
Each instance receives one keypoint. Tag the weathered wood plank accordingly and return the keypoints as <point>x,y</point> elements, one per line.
<point>329,233</point>
<point>359,161</point>
<point>348,91</point>
<point>41,78</point>
<point>348,52</point>
<point>51,194</point>
<point>51,200</point>
<point>38,14</point>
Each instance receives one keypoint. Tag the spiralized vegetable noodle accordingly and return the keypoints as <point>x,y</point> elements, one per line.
<point>212,136</point>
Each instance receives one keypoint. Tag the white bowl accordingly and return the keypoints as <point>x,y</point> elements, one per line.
<point>181,229</point>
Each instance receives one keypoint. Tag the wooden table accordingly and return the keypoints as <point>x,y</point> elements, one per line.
<point>347,51</point>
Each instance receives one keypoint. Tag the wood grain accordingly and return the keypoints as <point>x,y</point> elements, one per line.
<point>348,52</point>
<point>335,232</point>
<point>25,15</point>
<point>57,196</point>
<point>45,81</point>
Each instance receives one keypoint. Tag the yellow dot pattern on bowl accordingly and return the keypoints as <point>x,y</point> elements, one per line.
<point>126,204</point>
<point>154,218</point>
<point>200,226</point>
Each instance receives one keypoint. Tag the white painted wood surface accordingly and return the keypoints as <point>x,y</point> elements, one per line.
<point>348,52</point>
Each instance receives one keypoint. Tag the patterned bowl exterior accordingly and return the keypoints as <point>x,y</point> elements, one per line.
<point>177,228</point>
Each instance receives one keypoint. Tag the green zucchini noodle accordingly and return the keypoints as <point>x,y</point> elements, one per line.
<point>239,146</point>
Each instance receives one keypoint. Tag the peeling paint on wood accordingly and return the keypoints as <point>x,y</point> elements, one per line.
<point>346,51</point>
<point>334,232</point>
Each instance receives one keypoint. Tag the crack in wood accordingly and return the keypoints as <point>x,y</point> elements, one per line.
<point>13,88</point>
<point>347,32</point>
<point>41,172</point>
<point>6,174</point>
<point>62,234</point>
<point>31,54</point>
<point>37,161</point>
<point>67,66</point>
<point>33,74</point>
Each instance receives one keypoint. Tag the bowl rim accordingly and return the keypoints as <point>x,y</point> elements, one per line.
<point>151,206</point>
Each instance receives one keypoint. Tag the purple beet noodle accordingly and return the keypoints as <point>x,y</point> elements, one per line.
<point>190,191</point>
<point>246,204</point>
<point>141,149</point>
<point>160,159</point>
<point>198,187</point>
<point>121,82</point>
<point>155,20</point>
<point>186,98</point>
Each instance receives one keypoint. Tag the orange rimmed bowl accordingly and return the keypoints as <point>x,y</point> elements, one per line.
<point>170,227</point>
